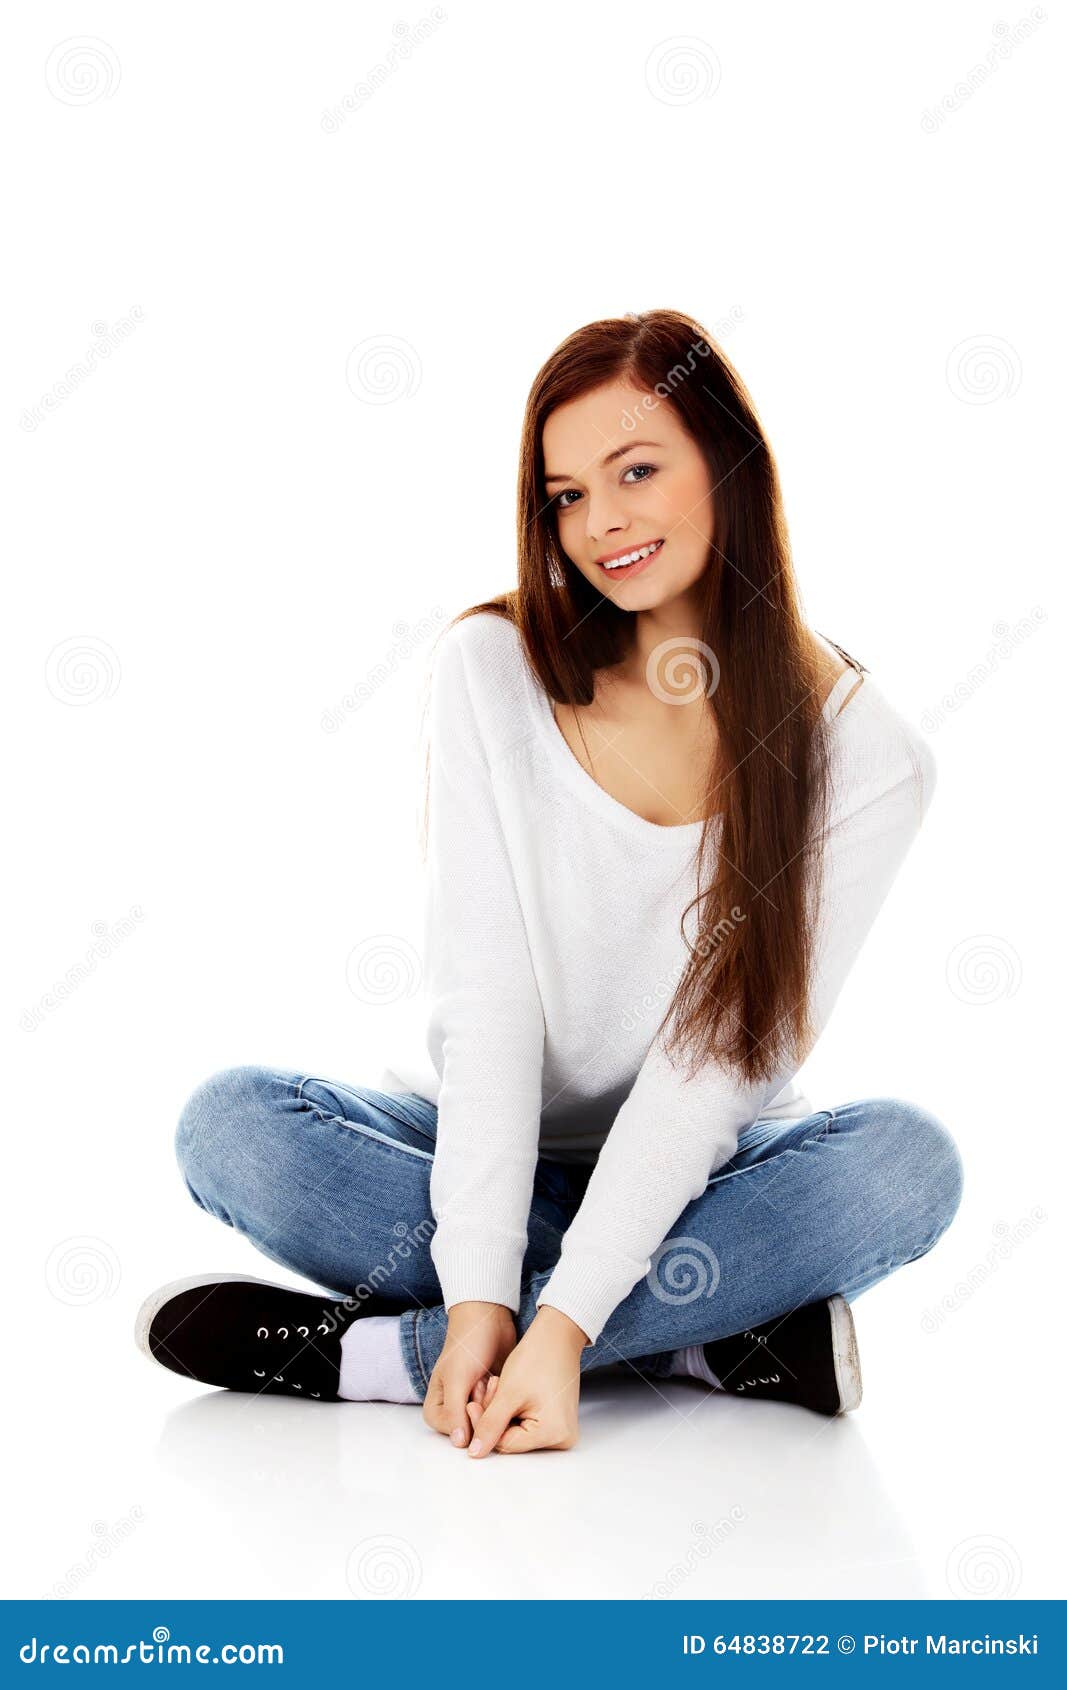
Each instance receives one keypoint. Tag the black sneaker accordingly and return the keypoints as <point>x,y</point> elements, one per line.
<point>245,1334</point>
<point>808,1357</point>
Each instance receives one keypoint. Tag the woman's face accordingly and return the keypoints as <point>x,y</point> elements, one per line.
<point>617,489</point>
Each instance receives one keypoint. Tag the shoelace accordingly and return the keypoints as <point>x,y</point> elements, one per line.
<point>282,1332</point>
<point>760,1379</point>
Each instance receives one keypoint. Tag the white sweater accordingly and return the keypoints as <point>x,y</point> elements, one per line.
<point>552,950</point>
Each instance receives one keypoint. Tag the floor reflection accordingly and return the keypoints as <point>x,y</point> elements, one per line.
<point>674,1491</point>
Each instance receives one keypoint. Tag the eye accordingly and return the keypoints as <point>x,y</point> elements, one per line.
<point>645,473</point>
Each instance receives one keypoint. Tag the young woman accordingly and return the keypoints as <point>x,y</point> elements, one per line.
<point>662,816</point>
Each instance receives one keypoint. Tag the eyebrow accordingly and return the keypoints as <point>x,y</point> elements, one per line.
<point>619,452</point>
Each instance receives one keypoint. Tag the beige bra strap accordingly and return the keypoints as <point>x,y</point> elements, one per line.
<point>841,689</point>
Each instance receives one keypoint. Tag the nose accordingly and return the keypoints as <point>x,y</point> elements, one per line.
<point>604,517</point>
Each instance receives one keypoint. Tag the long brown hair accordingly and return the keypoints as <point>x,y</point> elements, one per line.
<point>743,997</point>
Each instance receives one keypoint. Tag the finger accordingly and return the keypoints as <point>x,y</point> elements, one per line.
<point>434,1403</point>
<point>477,1393</point>
<point>456,1423</point>
<point>476,1407</point>
<point>490,1389</point>
<point>493,1424</point>
<point>517,1440</point>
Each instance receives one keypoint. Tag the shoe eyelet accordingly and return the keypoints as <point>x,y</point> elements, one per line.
<point>262,1332</point>
<point>260,1372</point>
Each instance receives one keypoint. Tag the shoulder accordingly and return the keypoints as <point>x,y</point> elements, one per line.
<point>478,662</point>
<point>485,648</point>
<point>483,637</point>
<point>877,748</point>
<point>832,669</point>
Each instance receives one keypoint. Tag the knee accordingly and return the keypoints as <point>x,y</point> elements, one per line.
<point>921,1164</point>
<point>216,1125</point>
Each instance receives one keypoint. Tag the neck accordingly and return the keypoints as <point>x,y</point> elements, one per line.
<point>675,625</point>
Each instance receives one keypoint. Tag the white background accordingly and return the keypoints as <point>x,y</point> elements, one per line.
<point>224,531</point>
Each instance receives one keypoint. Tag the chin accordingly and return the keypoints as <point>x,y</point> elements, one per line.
<point>640,594</point>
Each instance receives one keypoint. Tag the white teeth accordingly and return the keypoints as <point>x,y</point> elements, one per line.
<point>633,557</point>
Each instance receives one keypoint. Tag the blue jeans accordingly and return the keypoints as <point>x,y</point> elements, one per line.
<point>333,1182</point>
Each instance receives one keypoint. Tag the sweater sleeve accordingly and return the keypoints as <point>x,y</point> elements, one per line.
<point>486,1028</point>
<point>672,1133</point>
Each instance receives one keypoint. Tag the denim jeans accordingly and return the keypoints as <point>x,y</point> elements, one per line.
<point>333,1182</point>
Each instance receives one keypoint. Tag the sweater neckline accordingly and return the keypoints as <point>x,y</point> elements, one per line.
<point>590,790</point>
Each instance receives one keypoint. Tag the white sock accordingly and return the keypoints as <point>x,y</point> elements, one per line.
<point>372,1362</point>
<point>693,1363</point>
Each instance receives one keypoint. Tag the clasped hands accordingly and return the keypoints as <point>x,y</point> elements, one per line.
<point>484,1381</point>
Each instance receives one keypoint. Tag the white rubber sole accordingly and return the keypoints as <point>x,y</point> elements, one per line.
<point>163,1294</point>
<point>846,1355</point>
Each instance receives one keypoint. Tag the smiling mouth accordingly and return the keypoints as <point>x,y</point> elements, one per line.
<point>631,561</point>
